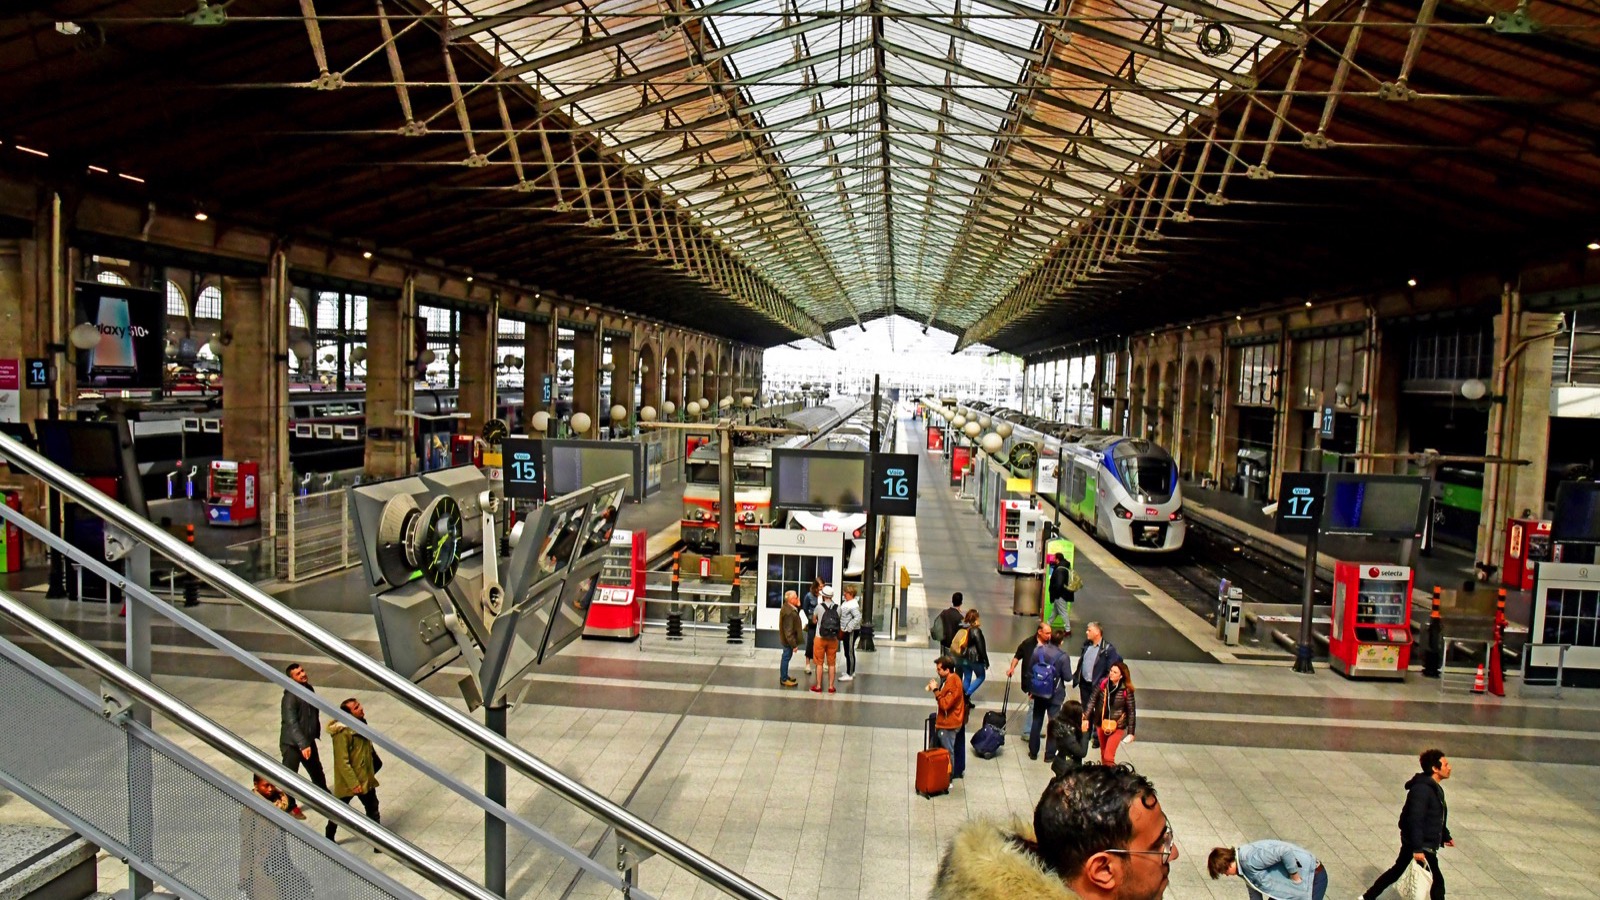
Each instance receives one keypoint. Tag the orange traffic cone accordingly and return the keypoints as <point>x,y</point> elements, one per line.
<point>1477,681</point>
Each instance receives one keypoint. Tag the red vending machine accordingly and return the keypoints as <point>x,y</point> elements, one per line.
<point>231,495</point>
<point>1370,635</point>
<point>1527,543</point>
<point>617,610</point>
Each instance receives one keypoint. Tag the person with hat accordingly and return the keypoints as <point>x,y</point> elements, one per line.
<point>825,649</point>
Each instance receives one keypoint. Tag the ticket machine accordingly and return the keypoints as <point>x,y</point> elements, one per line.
<point>617,610</point>
<point>232,493</point>
<point>1021,550</point>
<point>1370,635</point>
<point>1527,544</point>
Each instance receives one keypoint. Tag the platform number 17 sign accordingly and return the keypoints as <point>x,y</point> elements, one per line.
<point>894,484</point>
<point>1300,502</point>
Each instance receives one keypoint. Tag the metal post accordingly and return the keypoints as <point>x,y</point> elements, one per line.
<point>141,775</point>
<point>494,788</point>
<point>869,572</point>
<point>1302,651</point>
<point>727,509</point>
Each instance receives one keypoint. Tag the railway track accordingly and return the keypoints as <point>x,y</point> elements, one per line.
<point>1193,575</point>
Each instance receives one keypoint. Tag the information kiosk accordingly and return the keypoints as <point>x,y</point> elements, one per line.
<point>617,610</point>
<point>232,495</point>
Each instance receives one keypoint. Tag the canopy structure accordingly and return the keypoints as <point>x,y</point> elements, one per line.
<point>1017,172</point>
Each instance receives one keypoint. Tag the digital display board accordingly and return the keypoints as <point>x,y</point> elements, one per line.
<point>86,449</point>
<point>1299,502</point>
<point>1389,506</point>
<point>819,480</point>
<point>132,322</point>
<point>1577,516</point>
<point>894,484</point>
<point>523,461</point>
<point>572,465</point>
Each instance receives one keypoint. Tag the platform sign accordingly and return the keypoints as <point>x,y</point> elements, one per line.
<point>894,484</point>
<point>1300,502</point>
<point>1327,422</point>
<point>546,388</point>
<point>38,372</point>
<point>524,468</point>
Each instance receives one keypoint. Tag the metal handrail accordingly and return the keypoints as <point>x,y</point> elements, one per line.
<point>238,750</point>
<point>626,824</point>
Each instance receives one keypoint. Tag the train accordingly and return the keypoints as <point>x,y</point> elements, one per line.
<point>1123,490</point>
<point>327,433</point>
<point>842,425</point>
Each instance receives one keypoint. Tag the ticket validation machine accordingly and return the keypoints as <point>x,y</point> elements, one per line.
<point>1021,550</point>
<point>232,495</point>
<point>1370,634</point>
<point>617,610</point>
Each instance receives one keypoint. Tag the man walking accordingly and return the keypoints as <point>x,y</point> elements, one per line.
<point>825,651</point>
<point>947,624</point>
<point>1058,611</point>
<point>952,711</point>
<point>1424,825</point>
<point>298,731</point>
<point>1099,655</point>
<point>355,765</point>
<point>791,634</point>
<point>1023,657</point>
<point>1049,673</point>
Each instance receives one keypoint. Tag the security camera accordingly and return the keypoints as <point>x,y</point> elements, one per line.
<point>1270,510</point>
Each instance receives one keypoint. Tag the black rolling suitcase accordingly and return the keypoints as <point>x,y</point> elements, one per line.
<point>992,736</point>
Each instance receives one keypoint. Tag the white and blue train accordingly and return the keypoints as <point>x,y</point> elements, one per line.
<point>1125,491</point>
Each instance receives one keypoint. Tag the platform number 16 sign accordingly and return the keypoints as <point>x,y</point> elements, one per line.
<point>894,484</point>
<point>1300,502</point>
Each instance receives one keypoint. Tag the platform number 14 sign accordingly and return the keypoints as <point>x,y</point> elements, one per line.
<point>894,484</point>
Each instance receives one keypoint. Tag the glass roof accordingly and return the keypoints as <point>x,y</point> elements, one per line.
<point>882,157</point>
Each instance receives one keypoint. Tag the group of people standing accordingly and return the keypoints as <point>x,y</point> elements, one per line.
<point>822,627</point>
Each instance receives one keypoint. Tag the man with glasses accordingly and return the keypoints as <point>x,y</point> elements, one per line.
<point>1098,834</point>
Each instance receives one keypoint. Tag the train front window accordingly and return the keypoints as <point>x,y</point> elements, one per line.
<point>743,476</point>
<point>1147,477</point>
<point>703,473</point>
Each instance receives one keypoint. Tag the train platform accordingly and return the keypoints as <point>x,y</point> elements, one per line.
<point>711,748</point>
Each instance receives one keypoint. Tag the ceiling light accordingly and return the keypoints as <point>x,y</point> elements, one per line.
<point>33,152</point>
<point>97,169</point>
<point>1308,304</point>
<point>469,279</point>
<point>366,254</point>
<point>134,178</point>
<point>1594,245</point>
<point>200,215</point>
<point>1238,318</point>
<point>1411,282</point>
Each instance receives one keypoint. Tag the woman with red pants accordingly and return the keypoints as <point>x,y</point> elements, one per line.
<point>1111,711</point>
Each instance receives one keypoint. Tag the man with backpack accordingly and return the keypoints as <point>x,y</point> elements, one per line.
<point>825,652</point>
<point>1024,657</point>
<point>944,627</point>
<point>1049,673</point>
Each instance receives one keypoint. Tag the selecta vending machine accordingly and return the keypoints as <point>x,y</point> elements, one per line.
<point>1021,549</point>
<point>1370,634</point>
<point>1527,544</point>
<point>231,493</point>
<point>617,610</point>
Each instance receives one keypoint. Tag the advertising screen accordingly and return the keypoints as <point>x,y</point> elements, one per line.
<point>133,332</point>
<point>1374,505</point>
<point>1577,516</point>
<point>819,480</point>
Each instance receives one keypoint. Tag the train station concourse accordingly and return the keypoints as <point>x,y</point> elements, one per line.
<point>649,448</point>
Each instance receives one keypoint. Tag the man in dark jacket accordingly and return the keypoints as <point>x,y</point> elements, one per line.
<point>790,634</point>
<point>1023,656</point>
<point>297,735</point>
<point>947,624</point>
<point>1424,825</point>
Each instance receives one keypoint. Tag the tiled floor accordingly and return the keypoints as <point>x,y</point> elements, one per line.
<point>811,795</point>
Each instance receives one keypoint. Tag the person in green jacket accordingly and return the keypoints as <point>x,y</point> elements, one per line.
<point>355,764</point>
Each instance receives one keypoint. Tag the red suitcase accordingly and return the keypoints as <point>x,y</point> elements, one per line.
<point>933,766</point>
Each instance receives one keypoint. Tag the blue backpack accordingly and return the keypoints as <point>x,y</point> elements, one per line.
<point>1042,674</point>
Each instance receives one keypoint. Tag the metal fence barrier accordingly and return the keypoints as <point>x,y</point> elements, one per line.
<point>317,536</point>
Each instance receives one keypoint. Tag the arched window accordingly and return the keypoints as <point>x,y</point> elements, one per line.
<point>209,304</point>
<point>177,304</point>
<point>297,314</point>
<point>327,312</point>
<point>107,276</point>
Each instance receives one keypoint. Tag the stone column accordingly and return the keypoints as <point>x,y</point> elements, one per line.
<point>650,373</point>
<point>1519,427</point>
<point>25,329</point>
<point>1119,403</point>
<point>479,352</point>
<point>256,374</point>
<point>621,376</point>
<point>586,379</point>
<point>1379,427</point>
<point>391,380</point>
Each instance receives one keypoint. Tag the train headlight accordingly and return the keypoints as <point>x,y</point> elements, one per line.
<point>1122,512</point>
<point>749,517</point>
<point>856,534</point>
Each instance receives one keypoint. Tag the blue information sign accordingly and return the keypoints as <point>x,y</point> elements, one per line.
<point>38,373</point>
<point>523,459</point>
<point>894,484</point>
<point>1300,502</point>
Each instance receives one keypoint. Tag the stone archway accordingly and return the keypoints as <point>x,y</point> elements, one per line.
<point>691,377</point>
<point>649,377</point>
<point>674,376</point>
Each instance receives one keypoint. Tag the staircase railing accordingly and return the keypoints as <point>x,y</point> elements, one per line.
<point>634,833</point>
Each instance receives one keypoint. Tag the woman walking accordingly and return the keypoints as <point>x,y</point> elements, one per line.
<point>1111,712</point>
<point>974,655</point>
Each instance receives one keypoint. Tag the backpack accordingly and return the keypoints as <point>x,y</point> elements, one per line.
<point>1074,583</point>
<point>936,630</point>
<point>958,644</point>
<point>828,625</point>
<point>1042,675</point>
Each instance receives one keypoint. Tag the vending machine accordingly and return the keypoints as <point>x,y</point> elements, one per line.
<point>617,610</point>
<point>231,493</point>
<point>1370,634</point>
<point>1527,544</point>
<point>1021,550</point>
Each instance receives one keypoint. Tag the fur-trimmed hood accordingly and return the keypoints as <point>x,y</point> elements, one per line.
<point>986,859</point>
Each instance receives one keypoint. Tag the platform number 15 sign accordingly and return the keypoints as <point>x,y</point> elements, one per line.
<point>894,484</point>
<point>1300,502</point>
